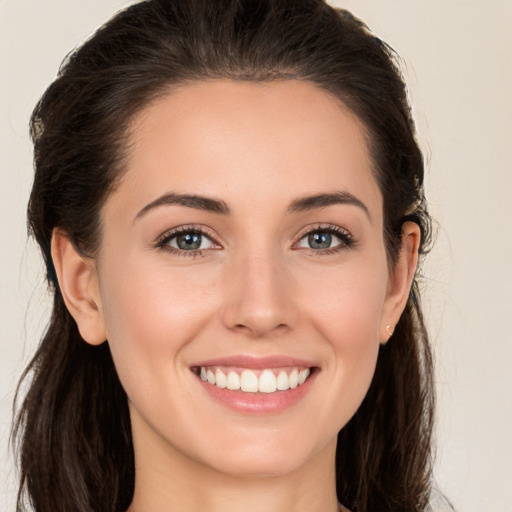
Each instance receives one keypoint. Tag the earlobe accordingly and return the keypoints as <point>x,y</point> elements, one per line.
<point>78,283</point>
<point>401,280</point>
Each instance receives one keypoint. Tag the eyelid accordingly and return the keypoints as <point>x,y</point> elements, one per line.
<point>347,239</point>
<point>163,240</point>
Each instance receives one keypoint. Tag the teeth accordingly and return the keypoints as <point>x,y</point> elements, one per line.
<point>233,381</point>
<point>220,379</point>
<point>249,382</point>
<point>267,382</point>
<point>283,383</point>
<point>294,379</point>
<point>303,375</point>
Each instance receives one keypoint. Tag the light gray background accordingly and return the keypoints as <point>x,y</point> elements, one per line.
<point>459,68</point>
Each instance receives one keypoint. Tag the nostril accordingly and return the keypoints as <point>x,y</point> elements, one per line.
<point>241,327</point>
<point>259,329</point>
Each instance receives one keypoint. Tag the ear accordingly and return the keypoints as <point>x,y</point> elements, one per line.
<point>78,283</point>
<point>400,281</point>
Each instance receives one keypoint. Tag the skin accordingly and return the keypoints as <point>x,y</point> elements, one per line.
<point>258,289</point>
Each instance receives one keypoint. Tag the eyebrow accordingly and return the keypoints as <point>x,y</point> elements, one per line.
<point>220,207</point>
<point>190,200</point>
<point>324,200</point>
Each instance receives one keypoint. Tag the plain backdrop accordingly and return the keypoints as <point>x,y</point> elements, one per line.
<point>458,63</point>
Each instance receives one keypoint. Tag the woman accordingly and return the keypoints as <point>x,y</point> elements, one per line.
<point>228,197</point>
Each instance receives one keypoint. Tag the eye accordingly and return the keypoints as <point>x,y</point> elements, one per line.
<point>190,241</point>
<point>318,240</point>
<point>186,241</point>
<point>325,238</point>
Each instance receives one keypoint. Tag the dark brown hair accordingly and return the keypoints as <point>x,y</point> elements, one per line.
<point>73,427</point>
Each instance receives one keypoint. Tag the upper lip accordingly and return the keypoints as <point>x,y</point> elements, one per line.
<point>256,362</point>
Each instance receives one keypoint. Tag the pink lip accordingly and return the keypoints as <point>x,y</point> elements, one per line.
<point>256,363</point>
<point>257,403</point>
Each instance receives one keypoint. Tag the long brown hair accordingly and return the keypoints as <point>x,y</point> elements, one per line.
<point>73,427</point>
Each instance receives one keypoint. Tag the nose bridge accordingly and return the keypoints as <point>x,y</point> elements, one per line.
<point>258,295</point>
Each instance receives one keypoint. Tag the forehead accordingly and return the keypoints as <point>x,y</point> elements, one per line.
<point>233,139</point>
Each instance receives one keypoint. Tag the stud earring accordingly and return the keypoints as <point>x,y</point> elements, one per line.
<point>388,330</point>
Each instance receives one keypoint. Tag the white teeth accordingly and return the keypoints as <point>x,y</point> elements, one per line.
<point>283,383</point>
<point>303,375</point>
<point>220,379</point>
<point>233,381</point>
<point>267,382</point>
<point>294,379</point>
<point>249,382</point>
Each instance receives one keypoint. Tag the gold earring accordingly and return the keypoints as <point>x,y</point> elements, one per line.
<point>389,331</point>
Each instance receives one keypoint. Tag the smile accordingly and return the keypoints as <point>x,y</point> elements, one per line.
<point>254,381</point>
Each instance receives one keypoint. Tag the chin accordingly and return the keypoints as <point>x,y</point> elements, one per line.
<point>272,455</point>
<point>261,465</point>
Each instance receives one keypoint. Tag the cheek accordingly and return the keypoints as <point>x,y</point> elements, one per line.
<point>141,299</point>
<point>150,315</point>
<point>347,312</point>
<point>347,302</point>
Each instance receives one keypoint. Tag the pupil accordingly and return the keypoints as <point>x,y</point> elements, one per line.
<point>189,241</point>
<point>320,240</point>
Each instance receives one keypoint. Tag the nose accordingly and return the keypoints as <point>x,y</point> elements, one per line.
<point>259,296</point>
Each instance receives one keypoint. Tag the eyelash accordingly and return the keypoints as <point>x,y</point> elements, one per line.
<point>164,240</point>
<point>347,241</point>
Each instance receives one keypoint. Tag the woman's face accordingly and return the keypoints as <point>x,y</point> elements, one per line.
<point>244,243</point>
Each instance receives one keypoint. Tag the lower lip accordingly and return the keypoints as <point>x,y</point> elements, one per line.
<point>258,403</point>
